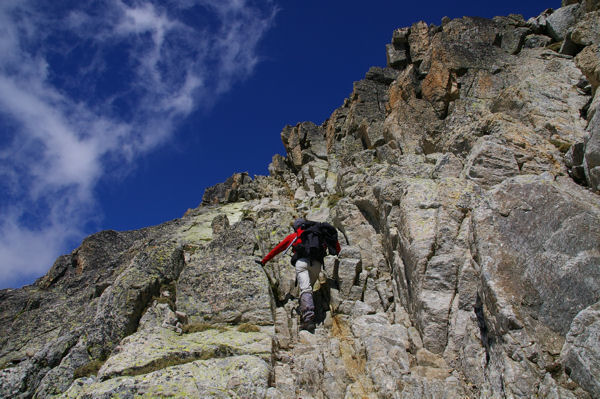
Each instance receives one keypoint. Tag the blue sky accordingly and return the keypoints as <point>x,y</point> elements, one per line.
<point>118,114</point>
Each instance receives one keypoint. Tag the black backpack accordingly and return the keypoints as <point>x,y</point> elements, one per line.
<point>315,241</point>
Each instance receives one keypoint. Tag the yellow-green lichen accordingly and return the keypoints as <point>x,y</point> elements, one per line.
<point>199,327</point>
<point>562,146</point>
<point>90,368</point>
<point>163,348</point>
<point>333,199</point>
<point>248,327</point>
<point>200,229</point>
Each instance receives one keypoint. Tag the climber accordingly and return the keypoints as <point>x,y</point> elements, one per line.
<point>309,243</point>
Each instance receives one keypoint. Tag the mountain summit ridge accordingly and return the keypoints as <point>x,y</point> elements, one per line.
<point>463,178</point>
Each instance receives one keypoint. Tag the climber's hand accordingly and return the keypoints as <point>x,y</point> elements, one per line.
<point>260,262</point>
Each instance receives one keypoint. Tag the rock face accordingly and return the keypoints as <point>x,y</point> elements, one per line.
<point>463,179</point>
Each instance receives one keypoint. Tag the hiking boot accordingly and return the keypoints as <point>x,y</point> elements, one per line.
<point>307,312</point>
<point>308,326</point>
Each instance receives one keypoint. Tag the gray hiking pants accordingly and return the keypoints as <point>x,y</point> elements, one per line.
<point>307,272</point>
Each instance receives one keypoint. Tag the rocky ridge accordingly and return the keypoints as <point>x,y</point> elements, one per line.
<point>464,181</point>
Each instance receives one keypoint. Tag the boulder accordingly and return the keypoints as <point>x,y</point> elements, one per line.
<point>534,268</point>
<point>513,40</point>
<point>303,143</point>
<point>419,41</point>
<point>491,162</point>
<point>588,60</point>
<point>147,351</point>
<point>397,52</point>
<point>574,162</point>
<point>587,31</point>
<point>561,20</point>
<point>381,75</point>
<point>226,191</point>
<point>397,57</point>
<point>581,354</point>
<point>538,24</point>
<point>222,284</point>
<point>533,41</point>
<point>241,376</point>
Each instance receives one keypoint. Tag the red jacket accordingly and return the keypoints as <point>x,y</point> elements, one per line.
<point>286,242</point>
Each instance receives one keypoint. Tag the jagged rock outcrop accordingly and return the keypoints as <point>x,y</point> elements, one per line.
<point>463,179</point>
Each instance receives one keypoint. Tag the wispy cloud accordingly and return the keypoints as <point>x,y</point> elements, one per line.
<point>88,89</point>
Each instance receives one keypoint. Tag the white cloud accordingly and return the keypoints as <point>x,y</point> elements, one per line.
<point>64,130</point>
<point>25,253</point>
